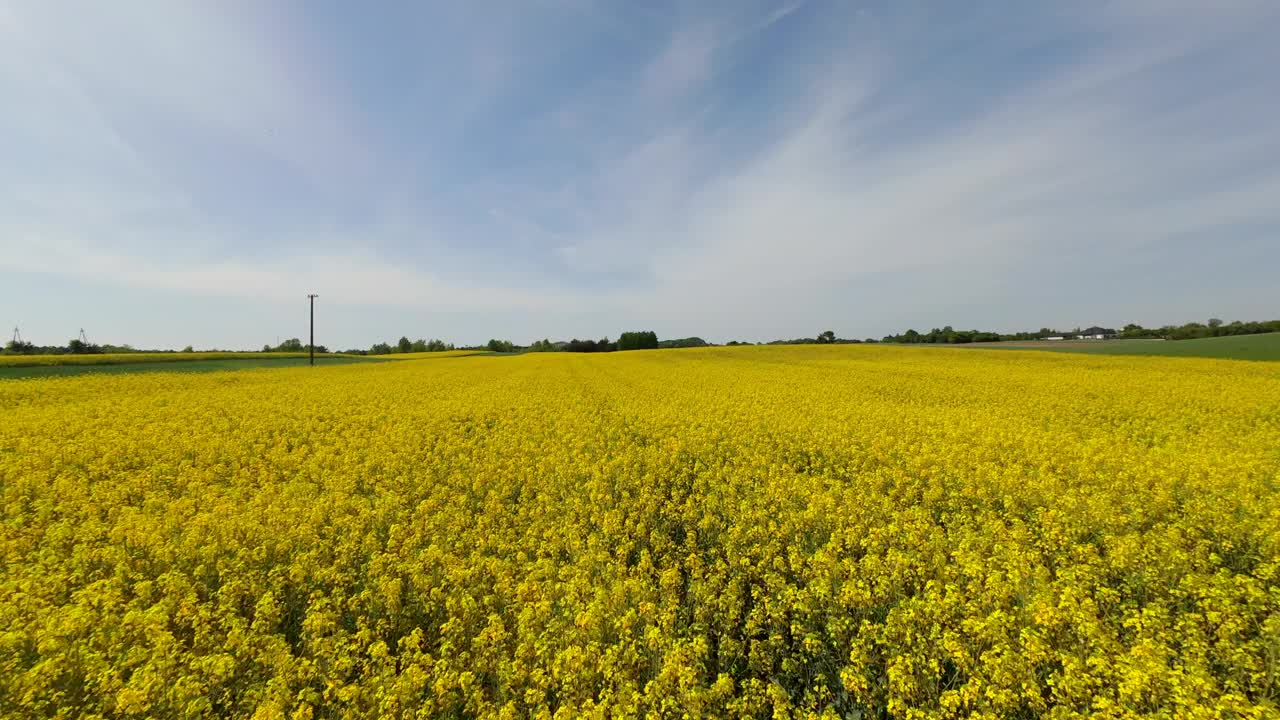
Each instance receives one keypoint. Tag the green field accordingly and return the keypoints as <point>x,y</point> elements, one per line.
<point>26,366</point>
<point>134,358</point>
<point>1236,347</point>
<point>175,365</point>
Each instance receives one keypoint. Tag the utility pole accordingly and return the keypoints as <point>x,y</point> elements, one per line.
<point>17,336</point>
<point>312,345</point>
<point>83,339</point>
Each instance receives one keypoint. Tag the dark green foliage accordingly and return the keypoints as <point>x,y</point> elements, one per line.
<point>404,345</point>
<point>543,345</point>
<point>502,346</point>
<point>77,346</point>
<point>290,345</point>
<point>1191,330</point>
<point>950,336</point>
<point>684,342</point>
<point>19,347</point>
<point>826,338</point>
<point>1214,328</point>
<point>588,346</point>
<point>642,340</point>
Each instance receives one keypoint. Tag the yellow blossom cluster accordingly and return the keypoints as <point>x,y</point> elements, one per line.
<point>761,532</point>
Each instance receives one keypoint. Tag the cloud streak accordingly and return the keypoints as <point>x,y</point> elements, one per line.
<point>730,169</point>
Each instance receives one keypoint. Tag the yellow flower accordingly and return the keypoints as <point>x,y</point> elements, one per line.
<point>722,532</point>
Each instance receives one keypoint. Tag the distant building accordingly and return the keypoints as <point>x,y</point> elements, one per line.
<point>1055,337</point>
<point>1097,333</point>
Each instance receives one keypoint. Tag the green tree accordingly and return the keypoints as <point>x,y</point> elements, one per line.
<point>543,345</point>
<point>405,345</point>
<point>688,342</point>
<point>827,337</point>
<point>638,340</point>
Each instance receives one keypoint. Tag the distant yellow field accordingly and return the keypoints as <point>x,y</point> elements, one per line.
<point>821,532</point>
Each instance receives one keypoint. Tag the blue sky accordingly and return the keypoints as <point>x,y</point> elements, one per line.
<point>185,173</point>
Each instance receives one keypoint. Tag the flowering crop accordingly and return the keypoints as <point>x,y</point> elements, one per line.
<point>730,532</point>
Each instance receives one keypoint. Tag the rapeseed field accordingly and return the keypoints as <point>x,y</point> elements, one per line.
<point>764,532</point>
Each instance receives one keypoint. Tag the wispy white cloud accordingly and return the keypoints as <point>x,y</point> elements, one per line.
<point>776,16</point>
<point>355,279</point>
<point>211,69</point>
<point>683,66</point>
<point>1101,154</point>
<point>696,169</point>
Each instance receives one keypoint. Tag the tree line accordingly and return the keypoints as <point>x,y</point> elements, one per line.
<point>826,337</point>
<point>631,340</point>
<point>403,345</point>
<point>1192,330</point>
<point>292,345</point>
<point>648,339</point>
<point>74,346</point>
<point>1189,331</point>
